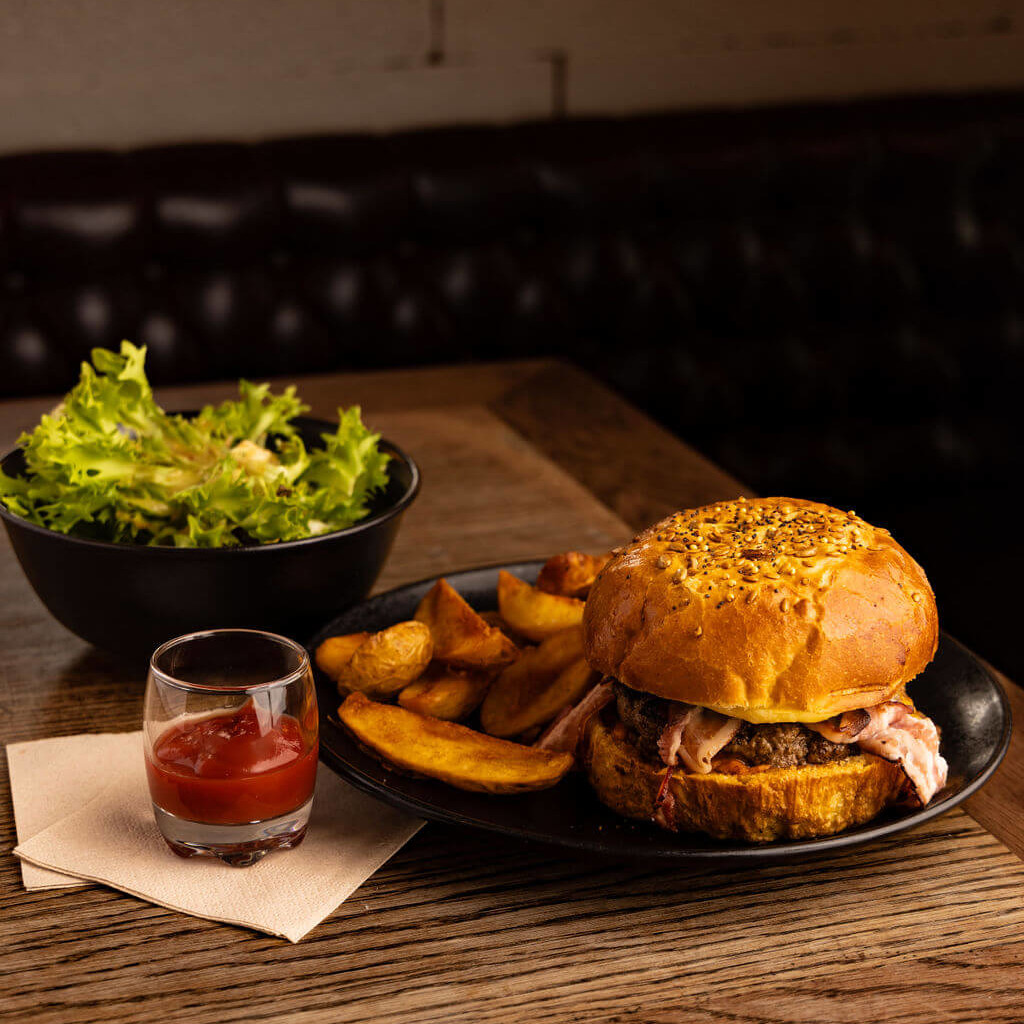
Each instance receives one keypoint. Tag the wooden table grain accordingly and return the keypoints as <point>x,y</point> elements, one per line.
<point>519,459</point>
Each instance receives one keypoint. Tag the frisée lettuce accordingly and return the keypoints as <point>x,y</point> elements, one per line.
<point>109,464</point>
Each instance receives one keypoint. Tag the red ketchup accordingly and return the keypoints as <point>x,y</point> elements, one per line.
<point>226,770</point>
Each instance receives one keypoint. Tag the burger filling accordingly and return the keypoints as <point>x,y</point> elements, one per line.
<point>782,745</point>
<point>700,740</point>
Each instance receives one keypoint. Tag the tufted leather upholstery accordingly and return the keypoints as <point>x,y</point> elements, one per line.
<point>828,300</point>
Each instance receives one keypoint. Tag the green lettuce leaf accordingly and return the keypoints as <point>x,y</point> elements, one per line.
<point>109,463</point>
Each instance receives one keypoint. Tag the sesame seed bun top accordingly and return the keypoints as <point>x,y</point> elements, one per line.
<point>768,609</point>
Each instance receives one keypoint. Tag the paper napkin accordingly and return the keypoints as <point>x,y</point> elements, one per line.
<point>110,836</point>
<point>51,779</point>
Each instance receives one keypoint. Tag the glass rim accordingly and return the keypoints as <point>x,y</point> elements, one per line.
<point>182,684</point>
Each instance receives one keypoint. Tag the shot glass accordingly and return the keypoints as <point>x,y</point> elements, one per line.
<point>231,743</point>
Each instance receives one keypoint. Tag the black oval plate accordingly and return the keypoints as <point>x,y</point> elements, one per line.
<point>956,691</point>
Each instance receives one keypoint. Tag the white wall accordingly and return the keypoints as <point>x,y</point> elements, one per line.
<point>127,72</point>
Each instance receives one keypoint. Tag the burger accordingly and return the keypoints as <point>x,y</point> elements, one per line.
<point>755,656</point>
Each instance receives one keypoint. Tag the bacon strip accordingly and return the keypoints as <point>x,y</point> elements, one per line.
<point>844,728</point>
<point>897,733</point>
<point>671,737</point>
<point>564,733</point>
<point>665,805</point>
<point>708,732</point>
<point>695,735</point>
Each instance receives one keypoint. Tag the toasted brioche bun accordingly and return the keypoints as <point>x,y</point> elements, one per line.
<point>760,806</point>
<point>768,610</point>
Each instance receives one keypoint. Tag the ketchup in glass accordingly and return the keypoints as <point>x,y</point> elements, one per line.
<point>230,724</point>
<point>233,768</point>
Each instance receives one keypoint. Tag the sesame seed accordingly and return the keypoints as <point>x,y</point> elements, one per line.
<point>757,539</point>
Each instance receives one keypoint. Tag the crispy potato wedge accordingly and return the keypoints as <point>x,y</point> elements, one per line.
<point>336,652</point>
<point>570,574</point>
<point>389,660</point>
<point>530,736</point>
<point>557,651</point>
<point>461,636</point>
<point>452,753</point>
<point>542,682</point>
<point>494,619</point>
<point>446,692</point>
<point>532,612</point>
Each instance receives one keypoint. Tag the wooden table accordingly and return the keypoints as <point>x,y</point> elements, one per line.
<point>519,460</point>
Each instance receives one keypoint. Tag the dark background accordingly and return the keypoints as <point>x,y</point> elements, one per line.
<point>826,300</point>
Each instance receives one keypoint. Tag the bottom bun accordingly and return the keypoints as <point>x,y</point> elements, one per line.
<point>759,806</point>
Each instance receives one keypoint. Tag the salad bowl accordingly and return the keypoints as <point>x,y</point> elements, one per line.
<point>129,598</point>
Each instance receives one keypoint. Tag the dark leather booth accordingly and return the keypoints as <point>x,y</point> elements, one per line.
<point>827,300</point>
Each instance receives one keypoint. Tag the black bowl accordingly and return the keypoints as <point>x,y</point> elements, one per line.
<point>129,598</point>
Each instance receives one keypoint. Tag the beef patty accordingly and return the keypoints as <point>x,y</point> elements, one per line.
<point>781,745</point>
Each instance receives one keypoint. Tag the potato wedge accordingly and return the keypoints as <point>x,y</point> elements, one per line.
<point>494,619</point>
<point>452,753</point>
<point>461,636</point>
<point>532,612</point>
<point>336,652</point>
<point>530,736</point>
<point>542,682</point>
<point>570,574</point>
<point>389,660</point>
<point>557,651</point>
<point>446,692</point>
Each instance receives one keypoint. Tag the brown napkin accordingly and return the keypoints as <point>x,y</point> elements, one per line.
<point>110,837</point>
<point>51,779</point>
